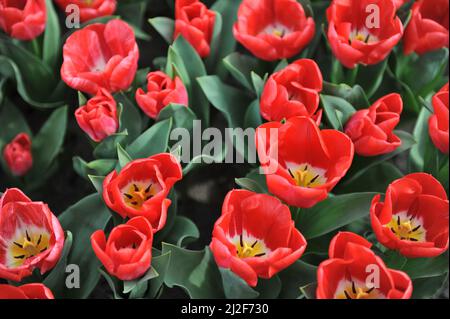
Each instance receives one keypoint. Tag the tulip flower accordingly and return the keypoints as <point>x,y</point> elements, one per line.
<point>372,129</point>
<point>363,31</point>
<point>28,291</point>
<point>255,236</point>
<point>30,236</point>
<point>353,271</point>
<point>23,19</point>
<point>161,91</point>
<point>428,28</point>
<point>273,29</point>
<point>293,91</point>
<point>141,188</point>
<point>18,156</point>
<point>413,218</point>
<point>307,164</point>
<point>438,123</point>
<point>98,118</point>
<point>90,9</point>
<point>195,23</point>
<point>100,56</point>
<point>127,253</point>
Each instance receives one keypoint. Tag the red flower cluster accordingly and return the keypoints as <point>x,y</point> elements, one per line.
<point>100,56</point>
<point>372,129</point>
<point>30,236</point>
<point>438,123</point>
<point>293,91</point>
<point>23,20</point>
<point>90,9</point>
<point>363,31</point>
<point>18,156</point>
<point>353,271</point>
<point>161,91</point>
<point>98,118</point>
<point>302,179</point>
<point>273,29</point>
<point>255,236</point>
<point>195,23</point>
<point>413,217</point>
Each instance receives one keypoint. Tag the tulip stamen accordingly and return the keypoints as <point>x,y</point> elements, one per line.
<point>307,176</point>
<point>407,228</point>
<point>137,193</point>
<point>355,290</point>
<point>247,246</point>
<point>27,244</point>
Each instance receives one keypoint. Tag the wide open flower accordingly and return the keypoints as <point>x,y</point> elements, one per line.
<point>413,218</point>
<point>30,236</point>
<point>302,164</point>
<point>127,253</point>
<point>18,156</point>
<point>293,91</point>
<point>355,36</point>
<point>100,56</point>
<point>195,23</point>
<point>255,236</point>
<point>438,123</point>
<point>90,9</point>
<point>28,291</point>
<point>273,29</point>
<point>161,91</point>
<point>353,271</point>
<point>141,188</point>
<point>98,118</point>
<point>428,28</point>
<point>23,19</point>
<point>372,129</point>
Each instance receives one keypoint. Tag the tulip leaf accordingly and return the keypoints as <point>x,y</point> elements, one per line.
<point>183,232</point>
<point>47,144</point>
<point>160,263</point>
<point>259,83</point>
<point>52,36</point>
<point>101,167</point>
<point>97,182</point>
<point>354,95</point>
<point>152,141</point>
<point>235,287</point>
<point>108,147</point>
<point>130,285</point>
<point>181,115</point>
<point>165,27</point>
<point>337,111</point>
<point>113,283</point>
<point>426,267</point>
<point>241,67</point>
<point>12,122</point>
<point>333,213</point>
<point>129,117</point>
<point>253,116</point>
<point>123,156</point>
<point>249,184</point>
<point>421,135</point>
<point>199,277</point>
<point>370,77</point>
<point>309,291</point>
<point>295,276</point>
<point>428,288</point>
<point>172,211</point>
<point>82,219</point>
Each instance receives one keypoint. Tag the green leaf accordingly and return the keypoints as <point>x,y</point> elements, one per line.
<point>354,95</point>
<point>249,184</point>
<point>337,111</point>
<point>333,213</point>
<point>101,167</point>
<point>12,122</point>
<point>253,116</point>
<point>160,264</point>
<point>123,156</point>
<point>82,219</point>
<point>108,147</point>
<point>183,232</point>
<point>52,36</point>
<point>151,142</point>
<point>269,288</point>
<point>181,115</point>
<point>427,288</point>
<point>258,83</point>
<point>164,26</point>
<point>422,137</point>
<point>199,277</point>
<point>129,117</point>
<point>82,100</point>
<point>426,267</point>
<point>112,282</point>
<point>241,67</point>
<point>309,291</point>
<point>299,274</point>
<point>235,287</point>
<point>130,285</point>
<point>371,77</point>
<point>56,279</point>
<point>47,143</point>
<point>97,182</point>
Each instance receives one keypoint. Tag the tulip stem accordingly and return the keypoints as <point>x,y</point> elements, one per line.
<point>353,74</point>
<point>36,48</point>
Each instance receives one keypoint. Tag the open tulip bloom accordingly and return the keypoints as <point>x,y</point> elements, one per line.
<point>224,149</point>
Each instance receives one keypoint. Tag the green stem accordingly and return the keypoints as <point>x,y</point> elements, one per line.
<point>36,47</point>
<point>353,74</point>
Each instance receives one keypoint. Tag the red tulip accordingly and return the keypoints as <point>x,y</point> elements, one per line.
<point>255,236</point>
<point>161,91</point>
<point>28,291</point>
<point>372,129</point>
<point>23,19</point>
<point>293,91</point>
<point>352,36</point>
<point>399,3</point>
<point>18,156</point>
<point>98,118</point>
<point>273,29</point>
<point>100,56</point>
<point>90,9</point>
<point>307,163</point>
<point>30,236</point>
<point>195,23</point>
<point>438,123</point>
<point>428,27</point>
<point>141,188</point>
<point>127,254</point>
<point>413,218</point>
<point>353,271</point>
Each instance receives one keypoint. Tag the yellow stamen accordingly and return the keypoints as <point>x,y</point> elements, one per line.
<point>137,194</point>
<point>246,248</point>
<point>26,245</point>
<point>407,228</point>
